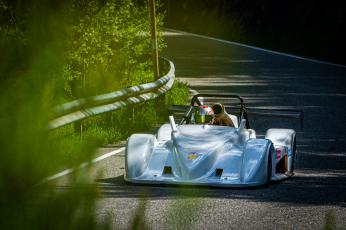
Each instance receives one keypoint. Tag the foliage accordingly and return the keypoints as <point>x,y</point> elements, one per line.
<point>51,52</point>
<point>102,136</point>
<point>138,219</point>
<point>107,49</point>
<point>178,94</point>
<point>32,61</point>
<point>110,50</point>
<point>329,220</point>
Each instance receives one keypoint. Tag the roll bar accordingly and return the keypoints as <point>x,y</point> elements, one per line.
<point>242,110</point>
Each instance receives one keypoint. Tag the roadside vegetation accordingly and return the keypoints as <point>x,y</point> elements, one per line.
<point>54,52</point>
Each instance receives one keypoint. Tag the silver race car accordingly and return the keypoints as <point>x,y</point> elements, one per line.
<point>196,152</point>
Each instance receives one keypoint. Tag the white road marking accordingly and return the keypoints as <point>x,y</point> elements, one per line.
<point>83,165</point>
<point>257,48</point>
<point>104,156</point>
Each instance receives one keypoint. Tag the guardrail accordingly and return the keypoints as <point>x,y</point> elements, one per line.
<point>87,107</point>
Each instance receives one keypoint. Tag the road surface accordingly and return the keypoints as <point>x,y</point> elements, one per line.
<point>313,199</point>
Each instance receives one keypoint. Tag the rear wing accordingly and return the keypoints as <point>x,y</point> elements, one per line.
<point>185,112</point>
<point>274,113</point>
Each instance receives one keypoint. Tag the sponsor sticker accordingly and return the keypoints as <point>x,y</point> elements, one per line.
<point>192,156</point>
<point>290,152</point>
<point>278,154</point>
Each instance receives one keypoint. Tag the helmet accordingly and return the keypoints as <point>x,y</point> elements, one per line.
<point>204,114</point>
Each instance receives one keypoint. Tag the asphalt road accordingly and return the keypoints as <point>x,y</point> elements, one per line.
<point>313,198</point>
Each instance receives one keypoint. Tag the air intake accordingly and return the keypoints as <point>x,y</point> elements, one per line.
<point>218,172</point>
<point>167,170</point>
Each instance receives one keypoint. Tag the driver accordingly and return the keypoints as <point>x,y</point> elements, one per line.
<point>220,116</point>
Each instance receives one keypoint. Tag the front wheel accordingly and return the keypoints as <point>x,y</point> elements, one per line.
<point>294,152</point>
<point>269,168</point>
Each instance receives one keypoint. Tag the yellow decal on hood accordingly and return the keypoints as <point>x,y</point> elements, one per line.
<point>192,156</point>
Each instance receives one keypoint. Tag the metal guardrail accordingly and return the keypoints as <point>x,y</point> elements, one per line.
<point>87,107</point>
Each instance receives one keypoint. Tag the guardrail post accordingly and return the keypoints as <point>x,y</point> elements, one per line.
<point>154,39</point>
<point>78,128</point>
<point>160,101</point>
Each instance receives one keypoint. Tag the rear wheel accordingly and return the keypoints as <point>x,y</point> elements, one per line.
<point>282,165</point>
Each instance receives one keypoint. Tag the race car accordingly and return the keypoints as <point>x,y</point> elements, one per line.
<point>200,153</point>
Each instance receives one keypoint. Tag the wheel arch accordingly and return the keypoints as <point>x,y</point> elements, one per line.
<point>137,154</point>
<point>285,138</point>
<point>255,160</point>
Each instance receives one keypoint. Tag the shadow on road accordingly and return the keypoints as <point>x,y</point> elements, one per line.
<point>309,186</point>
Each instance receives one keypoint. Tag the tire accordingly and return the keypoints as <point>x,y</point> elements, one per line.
<point>294,151</point>
<point>269,168</point>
